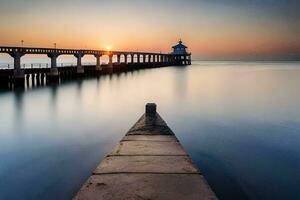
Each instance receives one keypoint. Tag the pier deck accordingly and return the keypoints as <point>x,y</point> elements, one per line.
<point>148,163</point>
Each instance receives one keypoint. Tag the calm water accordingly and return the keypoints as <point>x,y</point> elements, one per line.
<point>240,122</point>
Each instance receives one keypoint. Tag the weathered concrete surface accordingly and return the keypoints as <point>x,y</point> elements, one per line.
<point>146,187</point>
<point>148,148</point>
<point>150,126</point>
<point>148,163</point>
<point>161,138</point>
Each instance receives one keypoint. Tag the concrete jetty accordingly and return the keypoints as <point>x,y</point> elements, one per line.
<point>148,163</point>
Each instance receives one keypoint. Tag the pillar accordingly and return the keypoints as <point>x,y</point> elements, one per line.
<point>144,58</point>
<point>80,68</point>
<point>18,76</point>
<point>98,64</point>
<point>132,58</point>
<point>125,58</point>
<point>138,58</point>
<point>53,75</point>
<point>119,58</point>
<point>110,62</point>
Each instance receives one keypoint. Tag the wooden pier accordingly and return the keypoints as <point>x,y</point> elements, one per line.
<point>148,163</point>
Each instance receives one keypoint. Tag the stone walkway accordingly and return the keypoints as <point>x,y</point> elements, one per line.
<point>148,164</point>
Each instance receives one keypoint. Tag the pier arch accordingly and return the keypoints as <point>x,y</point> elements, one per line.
<point>122,58</point>
<point>7,61</point>
<point>66,60</point>
<point>89,59</point>
<point>35,61</point>
<point>104,59</point>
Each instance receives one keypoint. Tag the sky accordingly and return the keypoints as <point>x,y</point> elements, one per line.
<point>212,29</point>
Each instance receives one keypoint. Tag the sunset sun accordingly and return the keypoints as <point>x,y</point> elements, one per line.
<point>108,47</point>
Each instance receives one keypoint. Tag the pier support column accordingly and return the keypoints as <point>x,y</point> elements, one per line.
<point>138,58</point>
<point>53,75</point>
<point>132,58</point>
<point>80,68</point>
<point>173,60</point>
<point>110,62</point>
<point>18,76</point>
<point>144,58</point>
<point>98,64</point>
<point>118,58</point>
<point>125,58</point>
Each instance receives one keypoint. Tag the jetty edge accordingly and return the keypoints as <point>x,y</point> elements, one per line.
<point>148,163</point>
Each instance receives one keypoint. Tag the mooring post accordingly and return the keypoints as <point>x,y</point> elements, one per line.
<point>150,109</point>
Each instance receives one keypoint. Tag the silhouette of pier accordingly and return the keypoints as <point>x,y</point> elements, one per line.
<point>53,72</point>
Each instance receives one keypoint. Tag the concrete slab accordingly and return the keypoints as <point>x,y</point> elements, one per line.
<point>146,186</point>
<point>149,163</point>
<point>150,126</point>
<point>146,164</point>
<point>148,148</point>
<point>161,138</point>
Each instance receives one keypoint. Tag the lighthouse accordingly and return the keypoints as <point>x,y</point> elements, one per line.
<point>180,54</point>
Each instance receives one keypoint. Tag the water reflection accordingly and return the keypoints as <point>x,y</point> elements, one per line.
<point>240,123</point>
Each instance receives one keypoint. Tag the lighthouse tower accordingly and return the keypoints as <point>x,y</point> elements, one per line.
<point>181,56</point>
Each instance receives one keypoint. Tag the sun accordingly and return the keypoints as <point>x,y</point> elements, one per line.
<point>108,48</point>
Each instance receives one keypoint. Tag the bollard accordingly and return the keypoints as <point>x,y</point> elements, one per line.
<point>150,109</point>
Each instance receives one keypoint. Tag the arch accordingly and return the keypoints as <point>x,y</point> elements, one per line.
<point>115,58</point>
<point>66,60</point>
<point>35,61</point>
<point>141,56</point>
<point>135,58</point>
<point>88,59</point>
<point>104,59</point>
<point>122,58</point>
<point>7,62</point>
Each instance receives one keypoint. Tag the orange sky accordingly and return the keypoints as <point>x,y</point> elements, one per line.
<point>210,30</point>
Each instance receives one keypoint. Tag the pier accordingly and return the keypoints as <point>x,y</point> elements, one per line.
<point>118,61</point>
<point>148,163</point>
